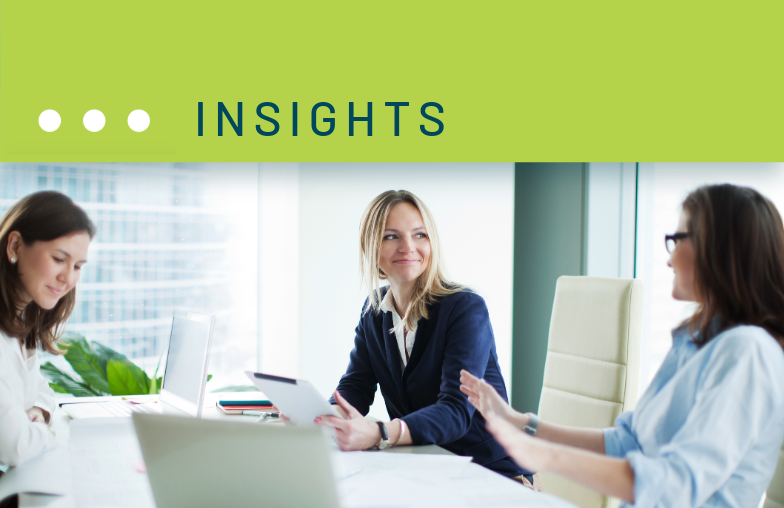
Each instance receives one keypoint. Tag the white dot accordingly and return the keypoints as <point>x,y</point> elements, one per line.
<point>94,120</point>
<point>138,120</point>
<point>49,120</point>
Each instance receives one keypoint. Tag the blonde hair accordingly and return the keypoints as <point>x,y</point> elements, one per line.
<point>431,284</point>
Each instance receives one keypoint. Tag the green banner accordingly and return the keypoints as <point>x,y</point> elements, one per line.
<point>405,81</point>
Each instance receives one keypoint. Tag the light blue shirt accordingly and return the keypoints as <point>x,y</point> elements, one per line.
<point>708,430</point>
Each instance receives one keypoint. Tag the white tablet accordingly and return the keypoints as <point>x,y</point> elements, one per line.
<point>295,398</point>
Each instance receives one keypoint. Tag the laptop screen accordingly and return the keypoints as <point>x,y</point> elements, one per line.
<point>187,351</point>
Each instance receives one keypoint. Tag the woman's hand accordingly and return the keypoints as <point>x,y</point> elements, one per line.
<point>36,414</point>
<point>529,453</point>
<point>355,432</point>
<point>340,410</point>
<point>484,397</point>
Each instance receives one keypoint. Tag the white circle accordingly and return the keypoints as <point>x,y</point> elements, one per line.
<point>49,120</point>
<point>94,120</point>
<point>138,120</point>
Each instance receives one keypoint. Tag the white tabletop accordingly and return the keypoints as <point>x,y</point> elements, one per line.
<point>461,483</point>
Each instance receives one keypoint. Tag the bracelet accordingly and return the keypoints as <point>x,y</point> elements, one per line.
<point>402,429</point>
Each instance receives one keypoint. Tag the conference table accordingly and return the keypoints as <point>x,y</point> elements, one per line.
<point>48,480</point>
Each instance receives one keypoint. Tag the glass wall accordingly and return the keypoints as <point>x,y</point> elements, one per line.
<point>169,236</point>
<point>662,188</point>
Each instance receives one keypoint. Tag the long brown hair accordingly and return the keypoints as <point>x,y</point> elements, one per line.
<point>738,240</point>
<point>430,286</point>
<point>42,216</point>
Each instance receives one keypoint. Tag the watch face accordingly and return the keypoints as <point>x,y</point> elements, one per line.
<point>383,445</point>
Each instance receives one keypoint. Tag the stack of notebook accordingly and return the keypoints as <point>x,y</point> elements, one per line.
<point>251,407</point>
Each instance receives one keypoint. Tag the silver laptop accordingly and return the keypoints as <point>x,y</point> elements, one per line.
<point>219,463</point>
<point>184,378</point>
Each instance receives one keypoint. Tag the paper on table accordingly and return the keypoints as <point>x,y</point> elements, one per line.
<point>105,460</point>
<point>426,479</point>
<point>387,480</point>
<point>480,487</point>
<point>407,464</point>
<point>45,474</point>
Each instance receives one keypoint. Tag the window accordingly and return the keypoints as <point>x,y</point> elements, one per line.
<point>662,188</point>
<point>169,236</point>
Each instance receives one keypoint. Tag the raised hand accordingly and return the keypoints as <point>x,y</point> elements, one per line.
<point>355,432</point>
<point>484,397</point>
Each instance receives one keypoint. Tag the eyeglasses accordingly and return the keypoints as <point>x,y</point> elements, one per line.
<point>670,241</point>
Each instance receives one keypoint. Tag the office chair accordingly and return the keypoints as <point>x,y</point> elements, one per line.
<point>593,363</point>
<point>775,495</point>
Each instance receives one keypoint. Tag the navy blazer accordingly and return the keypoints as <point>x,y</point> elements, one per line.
<point>426,395</point>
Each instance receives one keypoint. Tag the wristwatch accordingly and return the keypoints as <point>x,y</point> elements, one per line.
<point>384,443</point>
<point>533,423</point>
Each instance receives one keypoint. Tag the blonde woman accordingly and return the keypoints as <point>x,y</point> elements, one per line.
<point>414,336</point>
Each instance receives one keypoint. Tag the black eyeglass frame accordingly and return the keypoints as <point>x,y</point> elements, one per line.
<point>674,238</point>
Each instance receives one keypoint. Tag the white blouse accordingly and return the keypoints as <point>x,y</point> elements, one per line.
<point>22,387</point>
<point>405,341</point>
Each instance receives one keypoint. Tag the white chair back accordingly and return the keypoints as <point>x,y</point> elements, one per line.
<point>775,495</point>
<point>593,363</point>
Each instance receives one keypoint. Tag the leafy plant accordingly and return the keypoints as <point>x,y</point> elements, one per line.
<point>103,371</point>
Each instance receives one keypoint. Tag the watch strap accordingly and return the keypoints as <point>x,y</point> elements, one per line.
<point>532,425</point>
<point>384,442</point>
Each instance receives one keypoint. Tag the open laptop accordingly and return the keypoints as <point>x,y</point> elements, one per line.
<point>216,463</point>
<point>184,378</point>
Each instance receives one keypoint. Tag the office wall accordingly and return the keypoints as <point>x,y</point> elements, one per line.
<point>549,241</point>
<point>278,269</point>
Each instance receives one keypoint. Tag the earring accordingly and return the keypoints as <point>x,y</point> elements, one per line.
<point>13,261</point>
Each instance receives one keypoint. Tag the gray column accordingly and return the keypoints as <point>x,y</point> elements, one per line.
<point>550,229</point>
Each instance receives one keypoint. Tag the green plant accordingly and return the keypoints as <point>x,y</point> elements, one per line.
<point>103,370</point>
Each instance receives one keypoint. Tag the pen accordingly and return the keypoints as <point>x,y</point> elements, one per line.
<point>253,412</point>
<point>264,416</point>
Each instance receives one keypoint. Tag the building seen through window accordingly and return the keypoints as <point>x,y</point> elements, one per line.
<point>170,236</point>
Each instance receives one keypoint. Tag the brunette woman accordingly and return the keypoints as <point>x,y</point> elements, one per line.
<point>43,239</point>
<point>708,430</point>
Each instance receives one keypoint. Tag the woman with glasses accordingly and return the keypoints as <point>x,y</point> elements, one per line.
<point>708,430</point>
<point>44,239</point>
<point>413,338</point>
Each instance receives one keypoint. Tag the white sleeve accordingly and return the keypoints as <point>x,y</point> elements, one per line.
<point>20,439</point>
<point>44,396</point>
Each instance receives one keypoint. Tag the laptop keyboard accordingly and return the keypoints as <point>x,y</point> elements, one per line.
<point>124,408</point>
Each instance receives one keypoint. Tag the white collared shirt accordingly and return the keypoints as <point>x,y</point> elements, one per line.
<point>22,387</point>
<point>405,341</point>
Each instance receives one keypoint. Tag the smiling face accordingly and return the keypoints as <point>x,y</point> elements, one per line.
<point>48,270</point>
<point>682,263</point>
<point>405,247</point>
